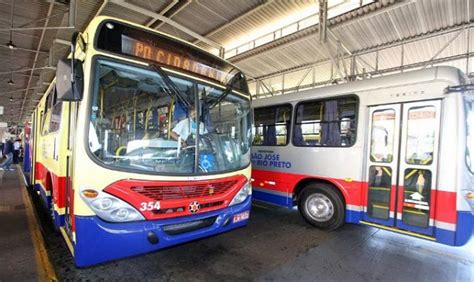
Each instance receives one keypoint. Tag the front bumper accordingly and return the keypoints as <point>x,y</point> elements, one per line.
<point>98,241</point>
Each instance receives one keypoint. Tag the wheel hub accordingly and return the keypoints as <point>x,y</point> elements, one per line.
<point>319,207</point>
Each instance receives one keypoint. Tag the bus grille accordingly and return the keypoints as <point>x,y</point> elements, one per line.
<point>169,199</point>
<point>187,191</point>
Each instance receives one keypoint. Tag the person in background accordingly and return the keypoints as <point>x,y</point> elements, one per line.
<point>16,151</point>
<point>1,150</point>
<point>8,152</point>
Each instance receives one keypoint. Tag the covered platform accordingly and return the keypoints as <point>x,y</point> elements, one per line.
<point>23,256</point>
<point>277,245</point>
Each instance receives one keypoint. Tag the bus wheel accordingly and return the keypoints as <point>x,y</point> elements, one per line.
<point>321,206</point>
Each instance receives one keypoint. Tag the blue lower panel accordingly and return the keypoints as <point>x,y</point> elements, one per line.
<point>465,228</point>
<point>98,241</point>
<point>425,231</point>
<point>46,199</point>
<point>272,198</point>
<point>353,216</point>
<point>59,219</point>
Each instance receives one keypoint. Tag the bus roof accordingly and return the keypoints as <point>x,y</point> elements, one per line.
<point>218,63</point>
<point>451,75</point>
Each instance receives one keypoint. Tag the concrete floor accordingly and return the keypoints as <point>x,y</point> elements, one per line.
<point>279,245</point>
<point>17,256</point>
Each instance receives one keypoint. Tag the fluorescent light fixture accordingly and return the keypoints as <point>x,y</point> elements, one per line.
<point>11,45</point>
<point>1,110</point>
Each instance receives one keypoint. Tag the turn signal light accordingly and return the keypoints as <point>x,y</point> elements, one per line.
<point>470,196</point>
<point>89,193</point>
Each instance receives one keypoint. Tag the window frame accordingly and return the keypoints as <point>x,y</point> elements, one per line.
<point>289,130</point>
<point>466,99</point>
<point>136,63</point>
<point>371,119</point>
<point>44,116</point>
<point>55,103</point>
<point>407,127</point>
<point>356,118</point>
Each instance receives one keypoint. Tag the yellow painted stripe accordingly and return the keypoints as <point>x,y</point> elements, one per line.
<point>380,207</point>
<point>379,188</point>
<point>397,230</point>
<point>44,267</point>
<point>415,212</point>
<point>68,241</point>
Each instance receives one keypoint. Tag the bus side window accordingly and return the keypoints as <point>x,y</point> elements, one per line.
<point>330,123</point>
<point>55,120</point>
<point>272,125</point>
<point>46,114</point>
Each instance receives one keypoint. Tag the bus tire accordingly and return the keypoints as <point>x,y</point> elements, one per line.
<point>322,206</point>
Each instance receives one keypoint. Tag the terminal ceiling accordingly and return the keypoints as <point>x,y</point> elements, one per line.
<point>275,42</point>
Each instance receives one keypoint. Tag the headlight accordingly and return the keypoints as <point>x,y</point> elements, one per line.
<point>242,195</point>
<point>110,208</point>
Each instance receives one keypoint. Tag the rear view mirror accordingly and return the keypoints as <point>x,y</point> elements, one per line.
<point>69,73</point>
<point>69,80</point>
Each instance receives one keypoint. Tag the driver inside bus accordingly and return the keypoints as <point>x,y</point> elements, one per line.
<point>185,130</point>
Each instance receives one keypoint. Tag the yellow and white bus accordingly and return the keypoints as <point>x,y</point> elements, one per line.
<point>116,153</point>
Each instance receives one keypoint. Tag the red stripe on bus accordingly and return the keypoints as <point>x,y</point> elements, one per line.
<point>355,192</point>
<point>58,182</point>
<point>286,182</point>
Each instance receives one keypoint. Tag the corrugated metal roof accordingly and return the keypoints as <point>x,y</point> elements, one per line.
<point>299,55</point>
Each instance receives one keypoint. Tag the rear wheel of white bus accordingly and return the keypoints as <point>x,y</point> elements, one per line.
<point>321,206</point>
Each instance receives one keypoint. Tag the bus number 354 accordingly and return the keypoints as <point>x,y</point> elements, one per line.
<point>148,206</point>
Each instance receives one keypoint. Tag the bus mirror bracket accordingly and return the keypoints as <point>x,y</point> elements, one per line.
<point>70,75</point>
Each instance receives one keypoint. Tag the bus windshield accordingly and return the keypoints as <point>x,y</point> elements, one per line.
<point>146,120</point>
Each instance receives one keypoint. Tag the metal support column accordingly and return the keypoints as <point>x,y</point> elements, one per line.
<point>72,13</point>
<point>402,55</point>
<point>222,52</point>
<point>323,18</point>
<point>468,47</point>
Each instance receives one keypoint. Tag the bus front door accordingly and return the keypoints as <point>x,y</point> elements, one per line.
<point>402,165</point>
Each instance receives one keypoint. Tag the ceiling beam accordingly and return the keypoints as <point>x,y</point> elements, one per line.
<point>333,24</point>
<point>24,49</point>
<point>50,10</point>
<point>373,49</point>
<point>168,21</point>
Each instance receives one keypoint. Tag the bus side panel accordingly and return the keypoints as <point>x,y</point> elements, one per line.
<point>277,171</point>
<point>59,177</point>
<point>49,158</point>
<point>279,187</point>
<point>465,185</point>
<point>40,175</point>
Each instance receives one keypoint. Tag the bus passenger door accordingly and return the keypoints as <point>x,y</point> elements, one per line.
<point>382,164</point>
<point>69,196</point>
<point>402,165</point>
<point>418,166</point>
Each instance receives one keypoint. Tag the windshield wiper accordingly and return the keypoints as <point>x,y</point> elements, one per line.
<point>229,87</point>
<point>173,90</point>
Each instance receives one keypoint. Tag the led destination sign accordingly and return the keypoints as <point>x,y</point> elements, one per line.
<point>123,39</point>
<point>163,56</point>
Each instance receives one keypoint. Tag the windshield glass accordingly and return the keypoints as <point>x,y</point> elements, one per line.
<point>138,123</point>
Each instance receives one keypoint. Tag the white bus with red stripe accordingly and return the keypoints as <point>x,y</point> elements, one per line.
<point>393,152</point>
